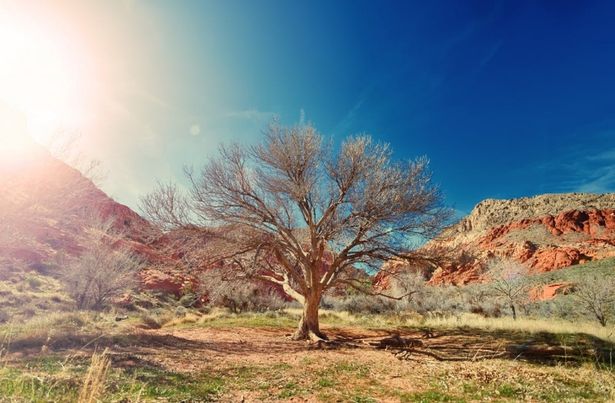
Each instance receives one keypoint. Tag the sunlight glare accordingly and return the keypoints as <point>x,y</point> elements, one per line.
<point>42,77</point>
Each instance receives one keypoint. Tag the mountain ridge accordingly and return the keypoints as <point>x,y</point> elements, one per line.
<point>544,232</point>
<point>483,215</point>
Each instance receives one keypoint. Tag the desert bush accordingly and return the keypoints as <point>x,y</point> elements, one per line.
<point>510,284</point>
<point>443,300</point>
<point>180,311</point>
<point>156,318</point>
<point>188,300</point>
<point>403,292</point>
<point>103,272</point>
<point>249,299</point>
<point>419,298</point>
<point>150,321</point>
<point>363,304</point>
<point>98,276</point>
<point>221,290</point>
<point>33,281</point>
<point>596,295</point>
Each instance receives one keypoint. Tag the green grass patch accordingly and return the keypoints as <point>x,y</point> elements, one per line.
<point>429,396</point>
<point>576,273</point>
<point>59,380</point>
<point>222,319</point>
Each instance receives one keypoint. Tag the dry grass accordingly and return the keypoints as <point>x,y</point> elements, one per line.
<point>467,320</point>
<point>221,356</point>
<point>27,294</point>
<point>289,318</point>
<point>528,325</point>
<point>93,387</point>
<point>63,330</point>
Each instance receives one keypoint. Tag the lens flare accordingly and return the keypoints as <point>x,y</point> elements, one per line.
<point>42,81</point>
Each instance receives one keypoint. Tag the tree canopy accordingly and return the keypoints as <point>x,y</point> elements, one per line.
<point>299,212</point>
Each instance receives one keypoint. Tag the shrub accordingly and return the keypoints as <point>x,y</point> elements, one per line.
<point>156,319</point>
<point>150,321</point>
<point>596,295</point>
<point>360,303</point>
<point>189,300</point>
<point>33,282</point>
<point>240,296</point>
<point>103,272</point>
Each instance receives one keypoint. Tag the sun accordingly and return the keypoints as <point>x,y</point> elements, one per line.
<point>43,81</point>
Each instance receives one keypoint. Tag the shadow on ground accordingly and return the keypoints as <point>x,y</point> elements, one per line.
<point>475,344</point>
<point>406,344</point>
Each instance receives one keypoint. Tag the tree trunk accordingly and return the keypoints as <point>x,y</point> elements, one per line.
<point>309,328</point>
<point>602,319</point>
<point>514,311</point>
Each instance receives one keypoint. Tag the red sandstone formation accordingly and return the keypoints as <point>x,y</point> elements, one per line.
<point>46,206</point>
<point>550,291</point>
<point>544,233</point>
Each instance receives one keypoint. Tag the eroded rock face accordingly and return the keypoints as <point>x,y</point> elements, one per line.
<point>46,206</point>
<point>174,283</point>
<point>544,233</point>
<point>550,291</point>
<point>492,213</point>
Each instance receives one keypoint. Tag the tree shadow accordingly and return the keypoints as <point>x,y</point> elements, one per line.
<point>462,344</point>
<point>467,344</point>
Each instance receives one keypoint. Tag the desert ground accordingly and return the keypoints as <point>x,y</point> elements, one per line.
<point>248,357</point>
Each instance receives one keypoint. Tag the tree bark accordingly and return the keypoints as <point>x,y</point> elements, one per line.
<point>602,319</point>
<point>309,327</point>
<point>514,311</point>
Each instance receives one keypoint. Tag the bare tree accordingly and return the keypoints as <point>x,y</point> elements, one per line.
<point>509,282</point>
<point>597,296</point>
<point>167,206</point>
<point>105,270</point>
<point>296,212</point>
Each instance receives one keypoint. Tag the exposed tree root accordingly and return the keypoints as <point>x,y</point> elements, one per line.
<point>396,341</point>
<point>406,354</point>
<point>309,335</point>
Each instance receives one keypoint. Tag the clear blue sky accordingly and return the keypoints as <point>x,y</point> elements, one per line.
<point>507,99</point>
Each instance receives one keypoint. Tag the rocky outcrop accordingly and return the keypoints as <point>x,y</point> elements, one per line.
<point>492,213</point>
<point>544,233</point>
<point>46,207</point>
<point>550,291</point>
<point>174,283</point>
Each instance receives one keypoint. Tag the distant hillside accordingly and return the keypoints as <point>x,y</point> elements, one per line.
<point>545,233</point>
<point>45,205</point>
<point>46,208</point>
<point>491,213</point>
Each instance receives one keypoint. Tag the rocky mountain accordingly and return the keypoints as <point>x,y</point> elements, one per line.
<point>46,207</point>
<point>544,233</point>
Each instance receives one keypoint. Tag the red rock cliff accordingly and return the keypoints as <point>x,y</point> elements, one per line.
<point>544,233</point>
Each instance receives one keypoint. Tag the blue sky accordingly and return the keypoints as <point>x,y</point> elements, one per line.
<point>507,99</point>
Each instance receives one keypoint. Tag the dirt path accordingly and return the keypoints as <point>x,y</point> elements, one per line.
<point>354,360</point>
<point>248,364</point>
<point>262,364</point>
<point>229,346</point>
